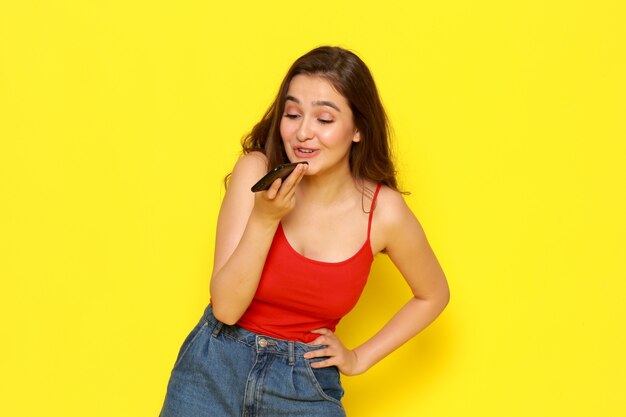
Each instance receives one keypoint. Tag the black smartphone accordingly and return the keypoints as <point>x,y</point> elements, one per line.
<point>281,171</point>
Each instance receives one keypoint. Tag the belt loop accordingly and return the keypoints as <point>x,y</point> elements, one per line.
<point>292,356</point>
<point>217,328</point>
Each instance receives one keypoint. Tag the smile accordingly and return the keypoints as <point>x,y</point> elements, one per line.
<point>305,152</point>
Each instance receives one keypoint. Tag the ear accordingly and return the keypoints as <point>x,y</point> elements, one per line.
<point>357,136</point>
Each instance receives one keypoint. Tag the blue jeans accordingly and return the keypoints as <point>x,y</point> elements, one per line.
<point>228,371</point>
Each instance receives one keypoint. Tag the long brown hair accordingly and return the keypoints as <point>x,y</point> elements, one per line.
<point>370,158</point>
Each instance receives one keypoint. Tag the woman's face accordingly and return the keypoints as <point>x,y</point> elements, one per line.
<point>317,125</point>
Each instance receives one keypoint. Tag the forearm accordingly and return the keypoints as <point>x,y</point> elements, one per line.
<point>411,319</point>
<point>233,286</point>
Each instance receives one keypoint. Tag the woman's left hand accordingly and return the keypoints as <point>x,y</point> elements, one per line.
<point>340,356</point>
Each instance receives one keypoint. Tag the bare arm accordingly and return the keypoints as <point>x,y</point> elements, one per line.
<point>409,250</point>
<point>245,228</point>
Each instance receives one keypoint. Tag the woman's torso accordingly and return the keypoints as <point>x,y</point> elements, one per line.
<point>315,271</point>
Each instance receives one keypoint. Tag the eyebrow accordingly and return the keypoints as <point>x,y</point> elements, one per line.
<point>315,103</point>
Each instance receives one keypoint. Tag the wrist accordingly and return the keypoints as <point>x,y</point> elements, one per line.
<point>361,365</point>
<point>263,221</point>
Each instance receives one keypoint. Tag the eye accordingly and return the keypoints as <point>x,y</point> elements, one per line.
<point>325,121</point>
<point>291,115</point>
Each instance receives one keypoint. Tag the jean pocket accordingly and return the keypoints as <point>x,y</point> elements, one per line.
<point>327,381</point>
<point>191,337</point>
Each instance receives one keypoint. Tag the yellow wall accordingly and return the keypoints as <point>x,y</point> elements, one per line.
<point>118,121</point>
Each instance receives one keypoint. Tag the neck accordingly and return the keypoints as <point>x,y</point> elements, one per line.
<point>327,187</point>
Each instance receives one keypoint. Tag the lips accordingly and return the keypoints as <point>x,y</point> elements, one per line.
<point>305,152</point>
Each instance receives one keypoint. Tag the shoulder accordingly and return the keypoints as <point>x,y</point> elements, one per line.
<point>392,219</point>
<point>253,161</point>
<point>248,169</point>
<point>391,206</point>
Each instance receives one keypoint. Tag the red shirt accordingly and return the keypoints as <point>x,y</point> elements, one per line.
<point>297,294</point>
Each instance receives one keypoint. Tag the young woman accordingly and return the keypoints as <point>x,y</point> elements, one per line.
<point>291,261</point>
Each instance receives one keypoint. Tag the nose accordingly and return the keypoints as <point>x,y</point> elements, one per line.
<point>304,131</point>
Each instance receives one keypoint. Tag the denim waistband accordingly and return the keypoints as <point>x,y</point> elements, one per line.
<point>261,342</point>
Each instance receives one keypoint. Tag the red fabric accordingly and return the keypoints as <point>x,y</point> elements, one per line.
<point>297,294</point>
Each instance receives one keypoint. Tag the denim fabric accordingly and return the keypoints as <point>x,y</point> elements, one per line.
<point>228,371</point>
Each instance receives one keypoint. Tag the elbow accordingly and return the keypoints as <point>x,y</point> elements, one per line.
<point>442,292</point>
<point>444,297</point>
<point>223,309</point>
<point>224,315</point>
<point>440,298</point>
<point>228,305</point>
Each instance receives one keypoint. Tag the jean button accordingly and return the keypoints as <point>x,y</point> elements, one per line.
<point>262,343</point>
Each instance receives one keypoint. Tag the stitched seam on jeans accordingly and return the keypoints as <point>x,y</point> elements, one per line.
<point>317,385</point>
<point>182,355</point>
<point>234,339</point>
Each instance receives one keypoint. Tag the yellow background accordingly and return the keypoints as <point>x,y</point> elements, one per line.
<point>118,121</point>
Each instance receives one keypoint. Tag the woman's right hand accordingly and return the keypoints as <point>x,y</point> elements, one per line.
<point>246,227</point>
<point>278,200</point>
